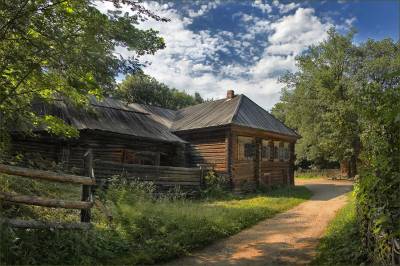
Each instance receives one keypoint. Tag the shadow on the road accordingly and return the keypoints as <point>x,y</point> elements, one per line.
<point>329,191</point>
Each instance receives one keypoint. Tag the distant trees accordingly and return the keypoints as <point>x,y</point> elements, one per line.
<point>66,48</point>
<point>141,88</point>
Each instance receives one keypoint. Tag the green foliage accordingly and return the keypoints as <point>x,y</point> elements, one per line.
<point>145,229</point>
<point>341,244</point>
<point>345,102</point>
<point>319,100</point>
<point>52,49</point>
<point>215,185</point>
<point>378,191</point>
<point>141,88</point>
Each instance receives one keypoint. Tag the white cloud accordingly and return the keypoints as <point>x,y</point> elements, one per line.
<point>204,8</point>
<point>350,21</point>
<point>285,8</point>
<point>265,7</point>
<point>187,61</point>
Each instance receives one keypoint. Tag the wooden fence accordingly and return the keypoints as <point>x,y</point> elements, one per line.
<point>84,205</point>
<point>164,177</point>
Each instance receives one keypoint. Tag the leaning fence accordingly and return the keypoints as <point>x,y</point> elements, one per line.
<point>85,204</point>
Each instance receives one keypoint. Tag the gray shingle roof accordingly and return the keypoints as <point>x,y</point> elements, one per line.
<point>110,115</point>
<point>239,110</point>
<point>159,123</point>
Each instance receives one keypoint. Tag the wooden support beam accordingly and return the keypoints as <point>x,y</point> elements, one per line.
<point>33,224</point>
<point>45,175</point>
<point>45,202</point>
<point>87,190</point>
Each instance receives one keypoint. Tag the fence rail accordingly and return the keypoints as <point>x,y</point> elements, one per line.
<point>84,205</point>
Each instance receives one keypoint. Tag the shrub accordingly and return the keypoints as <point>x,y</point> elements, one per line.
<point>215,185</point>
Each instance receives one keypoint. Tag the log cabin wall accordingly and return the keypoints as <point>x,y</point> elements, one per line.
<point>207,146</point>
<point>107,147</point>
<point>254,169</point>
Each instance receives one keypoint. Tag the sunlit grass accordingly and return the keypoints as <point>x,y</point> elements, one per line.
<point>144,230</point>
<point>341,244</point>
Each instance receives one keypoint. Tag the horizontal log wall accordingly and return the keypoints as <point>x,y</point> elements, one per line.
<point>107,147</point>
<point>274,173</point>
<point>207,147</point>
<point>164,177</point>
<point>247,174</point>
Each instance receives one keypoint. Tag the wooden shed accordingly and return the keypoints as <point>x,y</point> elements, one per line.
<point>115,132</point>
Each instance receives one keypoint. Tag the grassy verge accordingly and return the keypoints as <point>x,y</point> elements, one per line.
<point>341,244</point>
<point>145,229</point>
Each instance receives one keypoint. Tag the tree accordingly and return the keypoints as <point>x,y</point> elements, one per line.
<point>318,101</point>
<point>51,49</point>
<point>141,88</point>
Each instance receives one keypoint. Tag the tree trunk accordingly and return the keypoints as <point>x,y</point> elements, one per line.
<point>348,168</point>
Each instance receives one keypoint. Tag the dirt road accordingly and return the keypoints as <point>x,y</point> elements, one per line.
<point>288,238</point>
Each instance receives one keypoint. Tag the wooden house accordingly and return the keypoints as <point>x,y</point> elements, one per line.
<point>237,137</point>
<point>234,135</point>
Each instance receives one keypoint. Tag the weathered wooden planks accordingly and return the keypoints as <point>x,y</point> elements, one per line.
<point>45,175</point>
<point>44,202</point>
<point>163,176</point>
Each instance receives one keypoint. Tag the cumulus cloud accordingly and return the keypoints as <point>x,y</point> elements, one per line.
<point>191,60</point>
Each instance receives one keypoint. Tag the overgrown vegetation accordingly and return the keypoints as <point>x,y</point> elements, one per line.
<point>342,243</point>
<point>145,229</point>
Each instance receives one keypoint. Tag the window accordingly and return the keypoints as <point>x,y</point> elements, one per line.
<point>266,150</point>
<point>286,152</point>
<point>246,148</point>
<point>277,152</point>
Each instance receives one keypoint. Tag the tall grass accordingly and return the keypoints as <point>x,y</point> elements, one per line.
<point>341,244</point>
<point>146,229</point>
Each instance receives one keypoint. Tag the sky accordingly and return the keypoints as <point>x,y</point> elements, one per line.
<point>214,46</point>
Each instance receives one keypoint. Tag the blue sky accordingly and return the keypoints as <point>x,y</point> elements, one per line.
<point>213,46</point>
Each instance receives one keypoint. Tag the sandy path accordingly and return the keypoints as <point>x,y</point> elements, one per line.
<point>288,238</point>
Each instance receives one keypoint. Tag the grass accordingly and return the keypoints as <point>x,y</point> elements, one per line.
<point>341,244</point>
<point>145,229</point>
<point>313,174</point>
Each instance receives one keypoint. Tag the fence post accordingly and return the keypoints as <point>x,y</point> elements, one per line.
<point>87,190</point>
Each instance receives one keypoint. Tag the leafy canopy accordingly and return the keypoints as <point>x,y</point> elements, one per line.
<point>318,100</point>
<point>52,49</point>
<point>141,88</point>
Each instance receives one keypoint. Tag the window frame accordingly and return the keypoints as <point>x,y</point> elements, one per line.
<point>248,143</point>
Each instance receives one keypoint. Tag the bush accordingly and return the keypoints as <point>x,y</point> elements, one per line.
<point>378,201</point>
<point>215,186</point>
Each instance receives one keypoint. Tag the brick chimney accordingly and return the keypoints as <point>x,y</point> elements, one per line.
<point>230,94</point>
